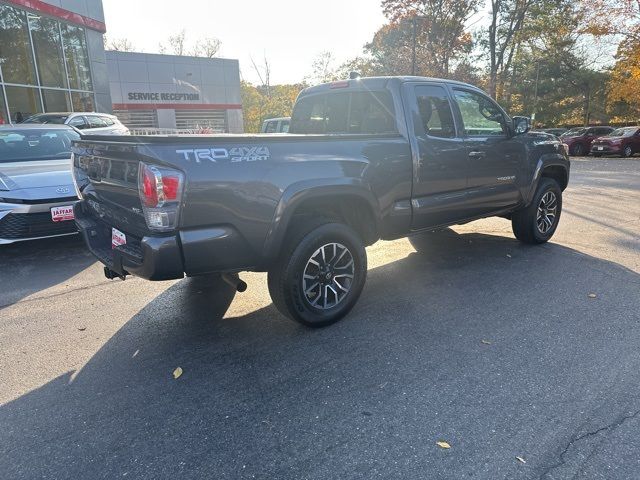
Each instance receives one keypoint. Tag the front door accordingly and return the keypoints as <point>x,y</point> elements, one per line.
<point>495,157</point>
<point>440,157</point>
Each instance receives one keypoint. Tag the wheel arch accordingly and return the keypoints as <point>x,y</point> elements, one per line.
<point>349,200</point>
<point>553,167</point>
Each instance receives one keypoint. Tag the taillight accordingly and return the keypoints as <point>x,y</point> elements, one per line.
<point>160,192</point>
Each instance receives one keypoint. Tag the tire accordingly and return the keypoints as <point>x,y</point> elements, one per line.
<point>527,227</point>
<point>627,152</point>
<point>577,150</point>
<point>325,303</point>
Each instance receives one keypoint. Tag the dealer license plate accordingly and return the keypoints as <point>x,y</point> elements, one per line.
<point>117,238</point>
<point>62,214</point>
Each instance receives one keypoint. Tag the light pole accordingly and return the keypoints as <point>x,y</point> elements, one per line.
<point>535,95</point>
<point>413,50</point>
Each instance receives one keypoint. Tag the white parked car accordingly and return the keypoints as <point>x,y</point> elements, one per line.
<point>91,123</point>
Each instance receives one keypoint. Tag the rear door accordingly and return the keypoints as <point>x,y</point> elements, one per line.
<point>440,157</point>
<point>495,157</point>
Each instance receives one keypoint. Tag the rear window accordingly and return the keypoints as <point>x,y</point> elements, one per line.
<point>35,144</point>
<point>108,121</point>
<point>345,112</point>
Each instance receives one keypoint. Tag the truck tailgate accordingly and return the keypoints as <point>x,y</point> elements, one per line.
<point>107,175</point>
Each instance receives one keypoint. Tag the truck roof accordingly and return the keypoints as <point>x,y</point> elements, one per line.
<point>370,83</point>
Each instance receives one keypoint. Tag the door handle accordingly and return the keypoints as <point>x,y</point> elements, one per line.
<point>475,154</point>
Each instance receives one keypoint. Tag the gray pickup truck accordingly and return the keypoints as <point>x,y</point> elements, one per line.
<point>366,159</point>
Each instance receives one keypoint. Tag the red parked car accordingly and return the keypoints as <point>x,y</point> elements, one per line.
<point>623,141</point>
<point>578,140</point>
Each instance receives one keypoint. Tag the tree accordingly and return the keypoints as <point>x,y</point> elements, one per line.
<point>176,44</point>
<point>612,17</point>
<point>207,47</point>
<point>323,69</point>
<point>624,86</point>
<point>119,45</point>
<point>507,21</point>
<point>434,30</point>
<point>257,105</point>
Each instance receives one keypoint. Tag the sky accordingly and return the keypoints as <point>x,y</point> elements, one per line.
<point>290,33</point>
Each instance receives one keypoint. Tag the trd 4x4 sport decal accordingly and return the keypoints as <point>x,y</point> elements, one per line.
<point>235,154</point>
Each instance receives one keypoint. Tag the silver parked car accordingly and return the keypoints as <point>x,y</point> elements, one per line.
<point>91,123</point>
<point>36,187</point>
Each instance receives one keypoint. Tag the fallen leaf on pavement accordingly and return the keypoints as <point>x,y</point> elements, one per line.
<point>177,372</point>
<point>486,342</point>
<point>82,329</point>
<point>443,444</point>
<point>592,295</point>
<point>521,460</point>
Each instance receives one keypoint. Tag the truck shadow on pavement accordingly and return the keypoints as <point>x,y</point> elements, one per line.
<point>478,340</point>
<point>36,265</point>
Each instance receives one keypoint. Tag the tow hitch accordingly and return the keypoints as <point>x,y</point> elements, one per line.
<point>110,274</point>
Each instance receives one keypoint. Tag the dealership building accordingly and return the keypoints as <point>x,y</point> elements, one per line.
<point>175,92</point>
<point>52,59</point>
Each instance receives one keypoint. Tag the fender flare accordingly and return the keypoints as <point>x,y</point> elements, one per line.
<point>546,161</point>
<point>295,194</point>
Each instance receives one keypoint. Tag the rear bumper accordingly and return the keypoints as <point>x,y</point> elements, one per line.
<point>606,149</point>
<point>192,252</point>
<point>153,258</point>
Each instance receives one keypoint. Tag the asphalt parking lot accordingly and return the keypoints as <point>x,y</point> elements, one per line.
<point>464,336</point>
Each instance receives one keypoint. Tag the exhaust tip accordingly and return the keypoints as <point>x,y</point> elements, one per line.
<point>233,280</point>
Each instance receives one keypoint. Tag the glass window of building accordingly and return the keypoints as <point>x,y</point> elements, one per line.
<point>75,49</point>
<point>56,100</point>
<point>82,102</point>
<point>16,58</point>
<point>47,45</point>
<point>23,102</point>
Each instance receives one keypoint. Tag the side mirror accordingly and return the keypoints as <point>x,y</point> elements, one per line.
<point>521,125</point>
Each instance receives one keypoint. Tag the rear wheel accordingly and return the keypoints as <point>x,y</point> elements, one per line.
<point>538,222</point>
<point>627,151</point>
<point>320,273</point>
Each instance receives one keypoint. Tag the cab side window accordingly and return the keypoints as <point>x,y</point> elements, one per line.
<point>480,116</point>
<point>371,113</point>
<point>435,115</point>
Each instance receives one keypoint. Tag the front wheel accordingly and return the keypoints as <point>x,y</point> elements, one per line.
<point>320,273</point>
<point>538,222</point>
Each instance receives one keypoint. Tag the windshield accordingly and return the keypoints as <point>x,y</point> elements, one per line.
<point>574,132</point>
<point>18,145</point>
<point>623,132</point>
<point>57,119</point>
